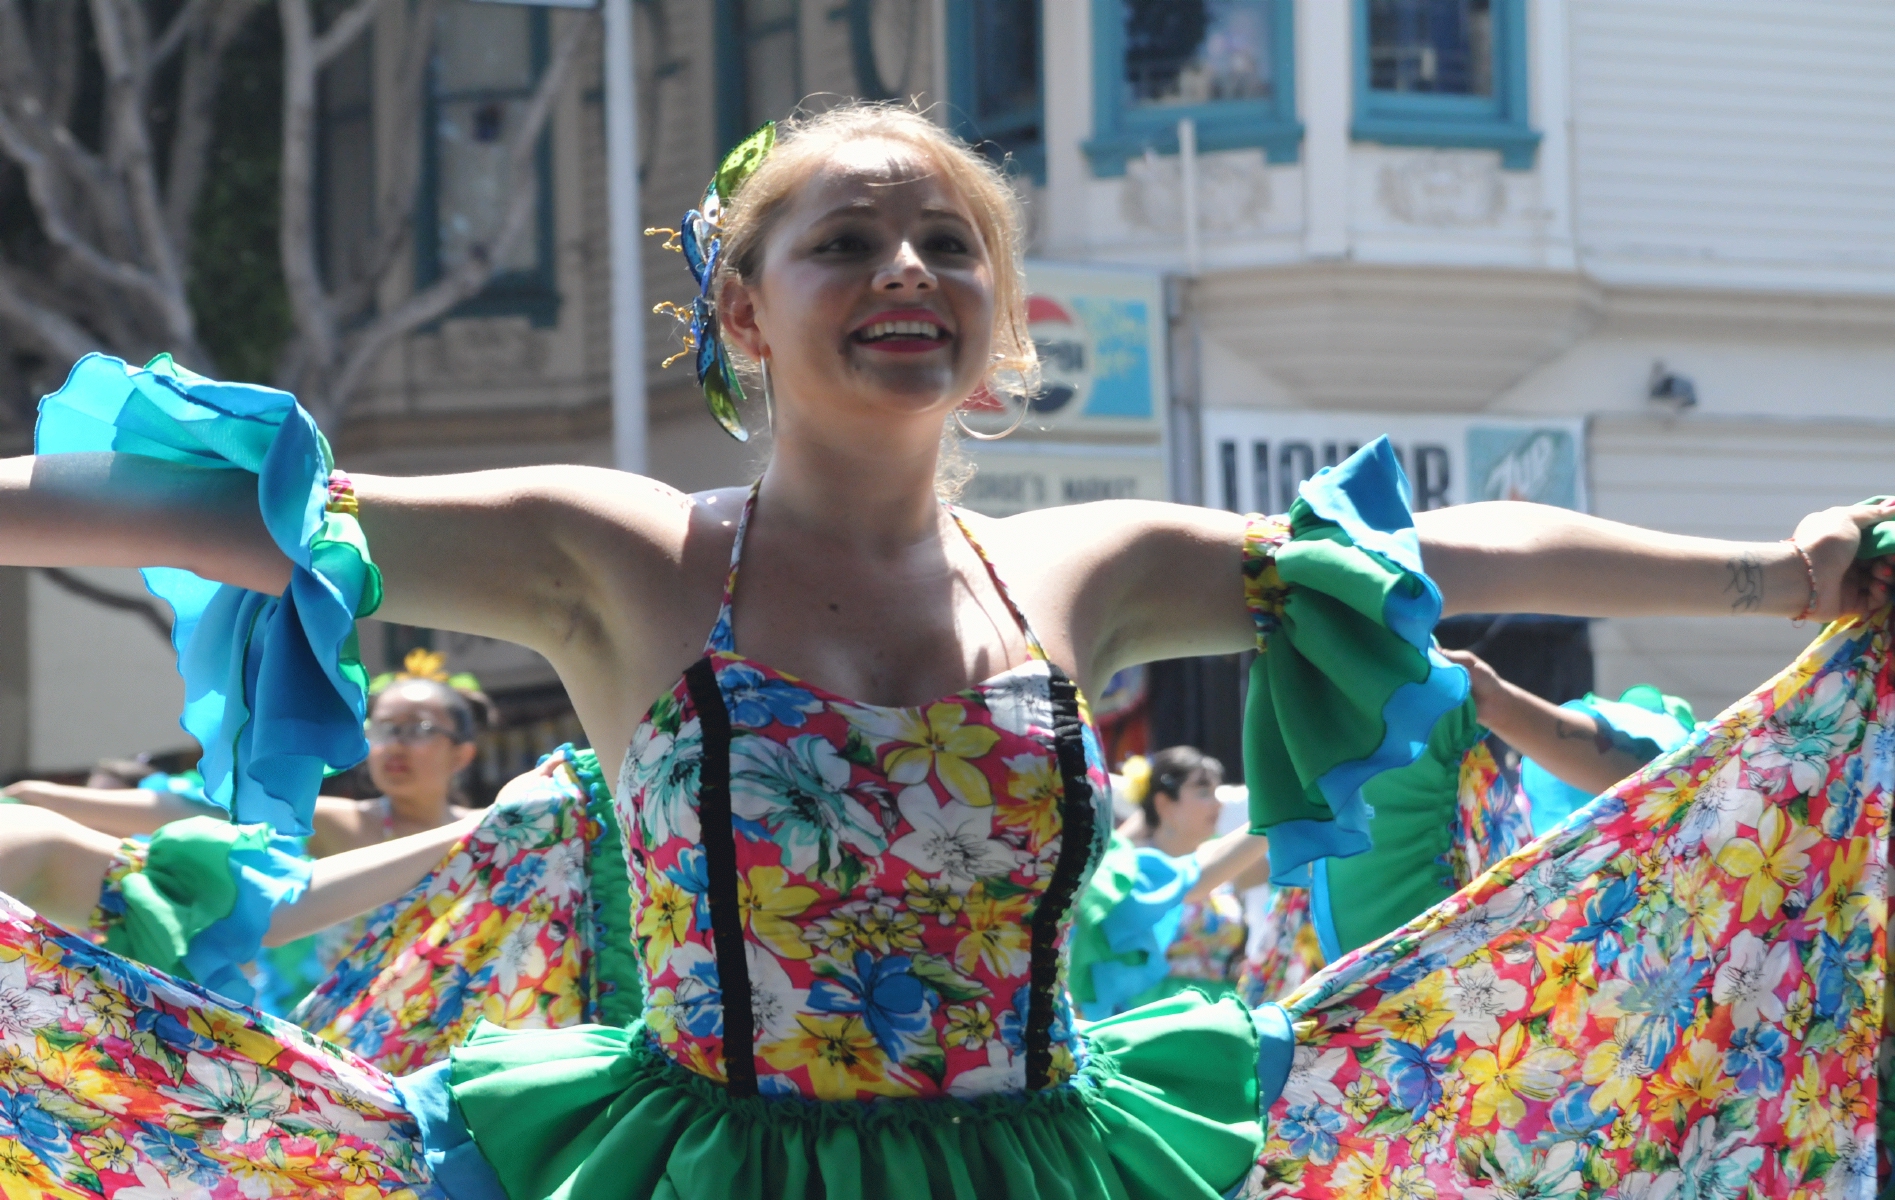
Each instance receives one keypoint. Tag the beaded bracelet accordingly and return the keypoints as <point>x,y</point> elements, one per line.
<point>1809,569</point>
<point>341,494</point>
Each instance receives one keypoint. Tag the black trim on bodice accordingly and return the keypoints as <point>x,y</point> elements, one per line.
<point>720,861</point>
<point>1077,817</point>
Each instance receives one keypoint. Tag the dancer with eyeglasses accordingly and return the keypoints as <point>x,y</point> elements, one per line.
<point>858,790</point>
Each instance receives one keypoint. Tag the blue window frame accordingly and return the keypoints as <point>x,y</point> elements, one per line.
<point>1228,64</point>
<point>759,65</point>
<point>487,62</point>
<point>1447,73</point>
<point>994,81</point>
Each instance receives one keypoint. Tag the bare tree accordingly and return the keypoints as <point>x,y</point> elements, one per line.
<point>108,270</point>
<point>339,333</point>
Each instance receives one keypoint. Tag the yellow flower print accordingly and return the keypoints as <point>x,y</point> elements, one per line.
<point>1361,1098</point>
<point>970,1026</point>
<point>236,1035</point>
<point>107,1151</point>
<point>1771,865</point>
<point>941,742</point>
<point>72,1074</point>
<point>1505,1077</point>
<point>415,1010</point>
<point>562,983</point>
<point>1696,1080</point>
<point>768,901</point>
<point>669,916</point>
<point>1567,985</point>
<point>512,1011</point>
<point>842,1056</point>
<point>23,1177</point>
<point>1622,1132</point>
<point>1798,1010</point>
<point>481,946</point>
<point>1410,1183</point>
<point>1861,1038</point>
<point>997,934</point>
<point>106,1014</point>
<point>1417,1015</point>
<point>1700,895</point>
<point>1034,780</point>
<point>934,896</point>
<point>355,1165</point>
<point>1362,1176</point>
<point>1617,1069</point>
<point>658,1014</point>
<point>1805,1112</point>
<point>1838,905</point>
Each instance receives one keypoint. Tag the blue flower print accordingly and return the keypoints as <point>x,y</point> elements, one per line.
<point>1311,1131</point>
<point>699,1004</point>
<point>521,880</point>
<point>22,1119</point>
<point>884,992</point>
<point>1574,1118</point>
<point>1603,914</point>
<point>455,991</point>
<point>1012,1023</point>
<point>173,1033</point>
<point>692,874</point>
<point>1414,1073</point>
<point>757,701</point>
<point>1663,996</point>
<point>1845,801</point>
<point>1755,1057</point>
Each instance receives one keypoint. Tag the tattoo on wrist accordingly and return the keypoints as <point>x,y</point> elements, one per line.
<point>1745,586</point>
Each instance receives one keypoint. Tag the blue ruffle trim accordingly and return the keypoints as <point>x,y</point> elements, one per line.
<point>265,877</point>
<point>1145,923</point>
<point>1552,800</point>
<point>453,1159</point>
<point>267,694</point>
<point>1367,495</point>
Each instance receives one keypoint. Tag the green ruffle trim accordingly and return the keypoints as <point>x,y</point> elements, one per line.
<point>618,987</point>
<point>1348,685</point>
<point>201,903</point>
<point>1166,1108</point>
<point>1407,871</point>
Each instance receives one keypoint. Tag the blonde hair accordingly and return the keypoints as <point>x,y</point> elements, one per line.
<point>805,140</point>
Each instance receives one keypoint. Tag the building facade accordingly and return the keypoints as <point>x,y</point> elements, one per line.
<point>1664,227</point>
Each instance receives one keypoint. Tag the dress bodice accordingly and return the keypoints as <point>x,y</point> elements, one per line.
<point>891,882</point>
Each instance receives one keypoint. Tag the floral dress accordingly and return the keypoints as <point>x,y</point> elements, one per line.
<point>1678,993</point>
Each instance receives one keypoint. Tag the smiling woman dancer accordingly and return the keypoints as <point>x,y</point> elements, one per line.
<point>860,790</point>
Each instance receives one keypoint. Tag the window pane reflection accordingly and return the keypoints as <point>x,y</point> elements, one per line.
<point>1439,47</point>
<point>1196,51</point>
<point>483,80</point>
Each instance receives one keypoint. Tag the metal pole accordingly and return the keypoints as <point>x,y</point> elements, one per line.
<point>629,423</point>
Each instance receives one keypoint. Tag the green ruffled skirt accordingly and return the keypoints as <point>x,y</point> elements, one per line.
<point>1166,1108</point>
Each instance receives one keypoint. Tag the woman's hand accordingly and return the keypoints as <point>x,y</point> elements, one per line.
<point>1844,583</point>
<point>1571,745</point>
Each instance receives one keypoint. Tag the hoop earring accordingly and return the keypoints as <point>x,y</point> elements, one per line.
<point>992,437</point>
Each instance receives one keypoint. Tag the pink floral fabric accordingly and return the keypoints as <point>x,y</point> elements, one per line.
<point>501,930</point>
<point>888,860</point>
<point>1681,996</point>
<point>118,1081</point>
<point>1283,952</point>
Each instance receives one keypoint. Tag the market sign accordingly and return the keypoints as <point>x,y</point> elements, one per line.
<point>1096,428</point>
<point>1255,458</point>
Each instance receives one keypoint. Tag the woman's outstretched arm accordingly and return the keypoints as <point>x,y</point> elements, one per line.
<point>344,886</point>
<point>121,812</point>
<point>1504,556</point>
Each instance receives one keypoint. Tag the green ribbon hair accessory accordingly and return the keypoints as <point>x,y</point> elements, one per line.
<point>700,240</point>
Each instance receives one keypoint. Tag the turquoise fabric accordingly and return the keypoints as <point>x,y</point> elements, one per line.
<point>188,784</point>
<point>1125,921</point>
<point>1653,722</point>
<point>274,689</point>
<point>1350,685</point>
<point>202,902</point>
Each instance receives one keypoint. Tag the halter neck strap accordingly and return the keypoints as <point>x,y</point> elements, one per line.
<point>722,639</point>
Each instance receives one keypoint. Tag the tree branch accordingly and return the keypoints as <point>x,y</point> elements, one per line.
<point>395,209</point>
<point>181,27</point>
<point>194,133</point>
<point>52,332</point>
<point>296,241</point>
<point>140,607</point>
<point>478,267</point>
<point>343,30</point>
<point>42,187</point>
<point>129,150</point>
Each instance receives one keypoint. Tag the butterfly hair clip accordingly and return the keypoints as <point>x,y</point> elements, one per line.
<point>700,240</point>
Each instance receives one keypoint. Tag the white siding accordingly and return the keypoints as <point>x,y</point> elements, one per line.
<point>1736,142</point>
<point>1741,479</point>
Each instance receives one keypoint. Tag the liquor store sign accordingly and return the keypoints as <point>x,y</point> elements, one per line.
<point>1254,459</point>
<point>1096,428</point>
